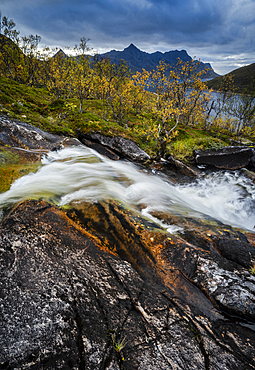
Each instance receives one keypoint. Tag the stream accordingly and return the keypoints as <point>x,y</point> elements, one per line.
<point>80,174</point>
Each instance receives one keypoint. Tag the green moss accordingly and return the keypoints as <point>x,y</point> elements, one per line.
<point>11,172</point>
<point>7,156</point>
<point>252,270</point>
<point>190,139</point>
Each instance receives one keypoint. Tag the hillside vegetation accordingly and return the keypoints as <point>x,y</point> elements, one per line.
<point>37,107</point>
<point>243,80</point>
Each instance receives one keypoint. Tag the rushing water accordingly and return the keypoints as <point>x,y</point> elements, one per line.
<point>81,174</point>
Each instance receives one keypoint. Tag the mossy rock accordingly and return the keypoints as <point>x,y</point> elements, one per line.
<point>16,163</point>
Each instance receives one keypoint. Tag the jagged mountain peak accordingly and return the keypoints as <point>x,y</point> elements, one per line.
<point>132,47</point>
<point>139,60</point>
<point>60,53</point>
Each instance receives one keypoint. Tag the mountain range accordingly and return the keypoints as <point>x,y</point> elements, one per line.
<point>135,58</point>
<point>139,60</point>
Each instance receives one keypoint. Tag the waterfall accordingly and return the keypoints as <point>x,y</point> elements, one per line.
<point>80,174</point>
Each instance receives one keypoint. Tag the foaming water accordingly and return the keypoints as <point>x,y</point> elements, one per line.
<point>80,174</point>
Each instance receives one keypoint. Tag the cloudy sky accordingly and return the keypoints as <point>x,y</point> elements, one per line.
<point>221,32</point>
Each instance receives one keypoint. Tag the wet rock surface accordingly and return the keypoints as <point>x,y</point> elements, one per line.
<point>25,136</point>
<point>229,158</point>
<point>174,169</point>
<point>123,148</point>
<point>76,285</point>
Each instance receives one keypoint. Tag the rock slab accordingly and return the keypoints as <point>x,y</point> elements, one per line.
<point>229,158</point>
<point>67,301</point>
<point>25,136</point>
<point>124,148</point>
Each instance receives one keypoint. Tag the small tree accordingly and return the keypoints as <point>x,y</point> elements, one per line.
<point>216,109</point>
<point>31,59</point>
<point>56,73</point>
<point>140,84</point>
<point>81,72</point>
<point>7,29</point>
<point>113,82</point>
<point>242,108</point>
<point>181,98</point>
<point>10,55</point>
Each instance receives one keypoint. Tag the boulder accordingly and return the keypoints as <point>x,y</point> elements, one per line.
<point>124,148</point>
<point>101,149</point>
<point>173,169</point>
<point>251,165</point>
<point>25,136</point>
<point>182,168</point>
<point>229,158</point>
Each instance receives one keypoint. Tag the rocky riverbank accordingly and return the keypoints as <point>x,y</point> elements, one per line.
<point>97,286</point>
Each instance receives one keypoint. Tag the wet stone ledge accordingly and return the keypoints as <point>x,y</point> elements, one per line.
<point>70,300</point>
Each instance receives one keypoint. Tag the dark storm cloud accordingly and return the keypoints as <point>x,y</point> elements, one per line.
<point>212,30</point>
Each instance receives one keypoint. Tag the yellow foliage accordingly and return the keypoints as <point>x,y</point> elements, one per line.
<point>181,98</point>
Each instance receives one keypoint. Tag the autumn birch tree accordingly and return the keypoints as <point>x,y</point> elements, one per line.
<point>82,72</point>
<point>113,81</point>
<point>10,54</point>
<point>181,98</point>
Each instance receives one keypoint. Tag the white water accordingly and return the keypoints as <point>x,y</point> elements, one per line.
<point>81,174</point>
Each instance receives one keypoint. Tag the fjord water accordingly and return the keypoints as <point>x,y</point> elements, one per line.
<point>80,174</point>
